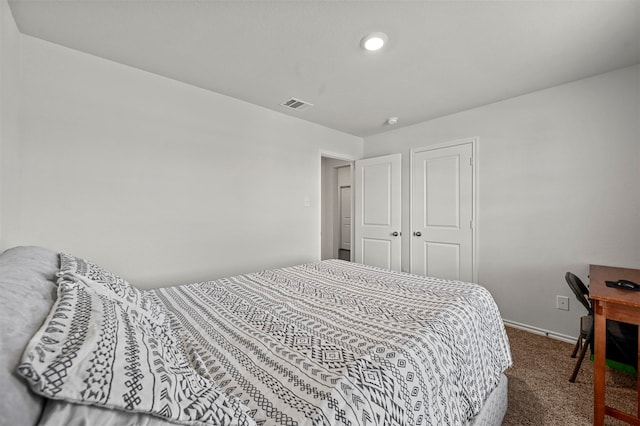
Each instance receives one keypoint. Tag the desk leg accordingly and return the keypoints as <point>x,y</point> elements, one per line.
<point>600,342</point>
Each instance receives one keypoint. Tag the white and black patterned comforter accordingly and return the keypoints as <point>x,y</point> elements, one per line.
<point>336,343</point>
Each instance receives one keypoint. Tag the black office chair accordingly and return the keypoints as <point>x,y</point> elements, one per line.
<point>585,339</point>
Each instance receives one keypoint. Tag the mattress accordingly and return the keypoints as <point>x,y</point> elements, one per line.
<point>58,413</point>
<point>336,342</point>
<point>325,343</point>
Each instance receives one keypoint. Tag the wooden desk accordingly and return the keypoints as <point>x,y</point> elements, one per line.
<point>619,305</point>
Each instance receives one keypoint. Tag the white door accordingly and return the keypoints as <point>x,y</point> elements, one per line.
<point>442,240</point>
<point>345,217</point>
<point>377,211</point>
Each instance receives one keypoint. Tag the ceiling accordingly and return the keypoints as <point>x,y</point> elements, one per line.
<point>442,56</point>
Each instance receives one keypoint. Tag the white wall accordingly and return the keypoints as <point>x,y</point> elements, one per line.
<point>559,189</point>
<point>166,183</point>
<point>157,180</point>
<point>9,98</point>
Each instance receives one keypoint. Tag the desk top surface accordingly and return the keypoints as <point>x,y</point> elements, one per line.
<point>598,290</point>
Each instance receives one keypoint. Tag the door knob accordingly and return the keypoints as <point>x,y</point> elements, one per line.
<point>418,234</point>
<point>395,233</point>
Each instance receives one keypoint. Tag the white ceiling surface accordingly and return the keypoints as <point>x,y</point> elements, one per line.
<point>442,56</point>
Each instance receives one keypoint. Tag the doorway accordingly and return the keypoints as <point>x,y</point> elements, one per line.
<point>336,208</point>
<point>344,248</point>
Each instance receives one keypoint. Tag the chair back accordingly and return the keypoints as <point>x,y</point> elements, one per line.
<point>580,290</point>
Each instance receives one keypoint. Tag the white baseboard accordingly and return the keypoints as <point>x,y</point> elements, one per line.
<point>540,331</point>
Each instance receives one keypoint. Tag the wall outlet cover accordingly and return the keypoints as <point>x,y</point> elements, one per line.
<point>562,303</point>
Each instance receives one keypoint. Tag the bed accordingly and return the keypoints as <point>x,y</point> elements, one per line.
<point>324,343</point>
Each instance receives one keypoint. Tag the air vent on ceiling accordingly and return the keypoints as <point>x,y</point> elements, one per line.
<point>296,104</point>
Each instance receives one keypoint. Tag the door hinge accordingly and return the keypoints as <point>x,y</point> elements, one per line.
<point>471,161</point>
<point>471,224</point>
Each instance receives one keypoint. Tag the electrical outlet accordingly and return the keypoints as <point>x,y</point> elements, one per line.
<point>562,302</point>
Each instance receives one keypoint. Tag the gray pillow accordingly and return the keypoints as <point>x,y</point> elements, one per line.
<point>27,292</point>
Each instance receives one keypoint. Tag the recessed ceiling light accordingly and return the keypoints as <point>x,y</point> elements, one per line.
<point>373,41</point>
<point>392,120</point>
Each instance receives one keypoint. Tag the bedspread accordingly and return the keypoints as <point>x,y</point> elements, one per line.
<point>339,343</point>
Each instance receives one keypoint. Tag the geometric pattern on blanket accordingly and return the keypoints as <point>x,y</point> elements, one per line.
<point>96,349</point>
<point>101,279</point>
<point>337,343</point>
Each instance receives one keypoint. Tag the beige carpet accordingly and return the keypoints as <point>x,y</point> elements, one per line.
<point>539,388</point>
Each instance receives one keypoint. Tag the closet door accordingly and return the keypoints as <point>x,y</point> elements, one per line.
<point>377,211</point>
<point>442,217</point>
